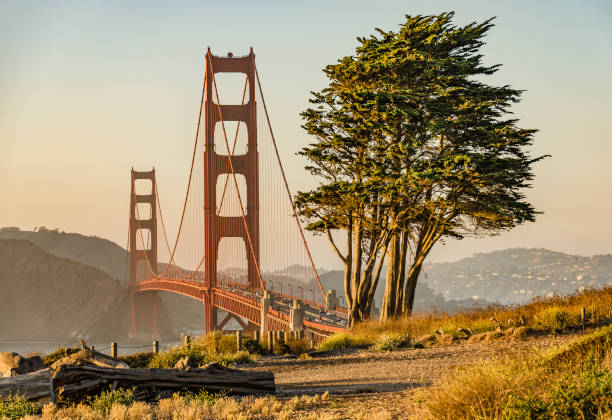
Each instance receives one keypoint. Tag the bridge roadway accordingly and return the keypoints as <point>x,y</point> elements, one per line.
<point>245,302</point>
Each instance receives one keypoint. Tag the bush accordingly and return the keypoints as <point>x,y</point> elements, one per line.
<point>16,407</point>
<point>553,319</point>
<point>342,341</point>
<point>104,401</point>
<point>573,382</point>
<point>583,396</point>
<point>252,346</point>
<point>214,347</point>
<point>60,353</point>
<point>138,360</point>
<point>388,342</point>
<point>298,346</point>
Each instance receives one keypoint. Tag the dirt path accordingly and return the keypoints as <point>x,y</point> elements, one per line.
<point>371,384</point>
<point>372,371</point>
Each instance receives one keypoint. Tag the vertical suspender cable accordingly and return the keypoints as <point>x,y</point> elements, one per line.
<point>314,269</point>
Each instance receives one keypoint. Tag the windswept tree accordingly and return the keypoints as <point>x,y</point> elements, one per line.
<point>412,146</point>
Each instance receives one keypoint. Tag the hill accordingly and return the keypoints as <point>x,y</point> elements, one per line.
<point>185,313</point>
<point>517,275</point>
<point>91,250</point>
<point>47,297</point>
<point>425,298</point>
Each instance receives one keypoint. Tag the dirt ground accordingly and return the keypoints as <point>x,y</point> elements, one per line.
<point>368,384</point>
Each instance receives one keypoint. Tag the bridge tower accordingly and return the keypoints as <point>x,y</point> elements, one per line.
<point>217,227</point>
<point>146,303</point>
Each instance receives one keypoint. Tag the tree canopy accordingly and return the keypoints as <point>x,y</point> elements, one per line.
<point>411,146</point>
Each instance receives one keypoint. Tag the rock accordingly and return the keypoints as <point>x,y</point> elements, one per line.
<point>9,362</point>
<point>89,358</point>
<point>12,364</point>
<point>186,362</point>
<point>427,339</point>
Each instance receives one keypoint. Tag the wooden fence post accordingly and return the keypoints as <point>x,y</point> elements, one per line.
<point>270,341</point>
<point>238,340</point>
<point>114,349</point>
<point>155,346</point>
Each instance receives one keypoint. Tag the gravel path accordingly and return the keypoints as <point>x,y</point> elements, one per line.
<point>368,371</point>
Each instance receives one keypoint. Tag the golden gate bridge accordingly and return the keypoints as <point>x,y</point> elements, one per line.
<point>237,199</point>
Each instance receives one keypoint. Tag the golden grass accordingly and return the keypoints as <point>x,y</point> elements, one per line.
<point>544,314</point>
<point>178,408</point>
<point>565,379</point>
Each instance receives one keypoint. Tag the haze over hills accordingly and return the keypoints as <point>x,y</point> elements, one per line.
<point>48,297</point>
<point>517,275</point>
<point>41,279</point>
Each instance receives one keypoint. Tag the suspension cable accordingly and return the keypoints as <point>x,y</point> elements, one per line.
<point>297,220</point>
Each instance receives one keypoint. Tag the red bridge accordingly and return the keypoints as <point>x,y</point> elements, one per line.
<point>249,261</point>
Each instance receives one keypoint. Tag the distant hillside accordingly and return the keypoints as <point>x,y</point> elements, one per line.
<point>517,275</point>
<point>91,250</point>
<point>185,313</point>
<point>425,298</point>
<point>43,296</point>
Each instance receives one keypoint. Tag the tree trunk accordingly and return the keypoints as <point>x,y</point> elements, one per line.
<point>74,382</point>
<point>411,282</point>
<point>35,386</point>
<point>401,275</point>
<point>388,309</point>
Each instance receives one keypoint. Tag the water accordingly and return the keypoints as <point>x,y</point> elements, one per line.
<point>45,347</point>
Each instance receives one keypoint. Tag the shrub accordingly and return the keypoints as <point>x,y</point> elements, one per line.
<point>60,353</point>
<point>583,396</point>
<point>298,346</point>
<point>251,346</point>
<point>170,357</point>
<point>16,407</point>
<point>342,341</point>
<point>573,382</point>
<point>553,319</point>
<point>138,360</point>
<point>105,400</point>
<point>387,343</point>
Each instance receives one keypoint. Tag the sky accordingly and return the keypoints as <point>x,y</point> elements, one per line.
<point>89,89</point>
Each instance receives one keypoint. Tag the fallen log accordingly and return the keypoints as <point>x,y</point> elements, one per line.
<point>35,386</point>
<point>75,383</point>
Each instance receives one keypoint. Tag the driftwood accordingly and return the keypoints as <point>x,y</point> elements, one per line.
<point>74,383</point>
<point>89,357</point>
<point>35,386</point>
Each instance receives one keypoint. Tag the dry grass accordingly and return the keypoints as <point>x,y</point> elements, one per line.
<point>188,409</point>
<point>573,382</point>
<point>543,314</point>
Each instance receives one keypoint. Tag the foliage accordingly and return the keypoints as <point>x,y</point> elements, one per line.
<point>391,342</point>
<point>411,146</point>
<point>342,341</point>
<point>138,360</point>
<point>532,388</point>
<point>585,395</point>
<point>16,407</point>
<point>597,301</point>
<point>214,347</point>
<point>252,346</point>
<point>106,399</point>
<point>298,346</point>
<point>60,353</point>
<point>203,397</point>
<point>553,319</point>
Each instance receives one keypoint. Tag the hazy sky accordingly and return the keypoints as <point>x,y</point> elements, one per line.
<point>90,88</point>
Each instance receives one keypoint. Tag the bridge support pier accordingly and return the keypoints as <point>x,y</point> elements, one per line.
<point>266,303</point>
<point>296,316</point>
<point>331,300</point>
